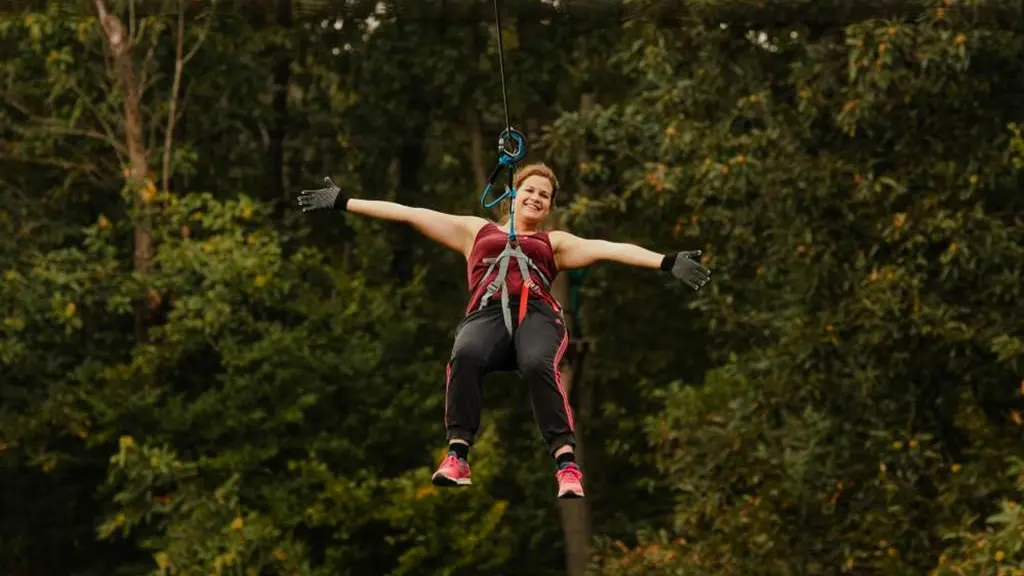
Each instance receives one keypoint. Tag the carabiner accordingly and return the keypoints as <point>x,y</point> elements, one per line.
<point>493,203</point>
<point>517,153</point>
<point>506,159</point>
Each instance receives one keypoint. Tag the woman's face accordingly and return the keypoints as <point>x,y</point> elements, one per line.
<point>533,199</point>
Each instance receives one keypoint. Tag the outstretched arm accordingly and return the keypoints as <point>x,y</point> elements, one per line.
<point>574,252</point>
<point>451,230</point>
<point>455,232</point>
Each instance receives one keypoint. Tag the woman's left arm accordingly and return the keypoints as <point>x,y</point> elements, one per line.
<point>574,252</point>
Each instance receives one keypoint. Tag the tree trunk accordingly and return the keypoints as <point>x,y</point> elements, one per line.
<point>278,131</point>
<point>476,147</point>
<point>575,514</point>
<point>142,187</point>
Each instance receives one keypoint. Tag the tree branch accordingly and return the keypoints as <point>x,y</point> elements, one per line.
<point>179,66</point>
<point>63,164</point>
<point>202,34</point>
<point>121,48</point>
<point>56,126</point>
<point>99,118</point>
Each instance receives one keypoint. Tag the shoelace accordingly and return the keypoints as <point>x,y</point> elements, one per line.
<point>453,460</point>
<point>572,472</point>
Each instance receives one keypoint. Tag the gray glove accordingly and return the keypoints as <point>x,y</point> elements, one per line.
<point>329,198</point>
<point>682,266</point>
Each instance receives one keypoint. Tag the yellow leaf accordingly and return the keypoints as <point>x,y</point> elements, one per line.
<point>237,523</point>
<point>153,298</point>
<point>15,324</point>
<point>162,560</point>
<point>148,191</point>
<point>425,491</point>
<point>126,442</point>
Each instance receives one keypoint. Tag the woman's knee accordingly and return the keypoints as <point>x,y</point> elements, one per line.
<point>536,366</point>
<point>469,353</point>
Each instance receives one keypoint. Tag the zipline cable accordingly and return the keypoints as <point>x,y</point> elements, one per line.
<point>501,67</point>
<point>511,143</point>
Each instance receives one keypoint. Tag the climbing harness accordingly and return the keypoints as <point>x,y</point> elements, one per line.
<point>525,265</point>
<point>511,149</point>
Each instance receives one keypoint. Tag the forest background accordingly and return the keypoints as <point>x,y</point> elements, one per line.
<point>197,378</point>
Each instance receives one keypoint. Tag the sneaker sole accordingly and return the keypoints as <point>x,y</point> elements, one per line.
<point>442,480</point>
<point>570,495</point>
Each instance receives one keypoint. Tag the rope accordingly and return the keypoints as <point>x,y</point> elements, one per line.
<point>508,127</point>
<point>501,67</point>
<point>506,159</point>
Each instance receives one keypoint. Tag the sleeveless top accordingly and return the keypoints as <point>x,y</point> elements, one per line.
<point>489,242</point>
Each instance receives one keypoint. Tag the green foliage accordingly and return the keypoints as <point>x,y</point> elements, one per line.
<point>861,313</point>
<point>844,397</point>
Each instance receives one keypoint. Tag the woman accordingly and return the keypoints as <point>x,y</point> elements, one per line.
<point>522,329</point>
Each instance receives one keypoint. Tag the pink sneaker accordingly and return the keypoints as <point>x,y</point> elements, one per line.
<point>452,472</point>
<point>570,482</point>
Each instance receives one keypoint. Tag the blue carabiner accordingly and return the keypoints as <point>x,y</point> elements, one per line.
<point>517,153</point>
<point>506,159</point>
<point>496,201</point>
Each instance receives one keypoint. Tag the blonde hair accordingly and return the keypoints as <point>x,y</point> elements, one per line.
<point>524,172</point>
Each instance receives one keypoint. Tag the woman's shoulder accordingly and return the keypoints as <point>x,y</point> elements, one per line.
<point>557,237</point>
<point>475,224</point>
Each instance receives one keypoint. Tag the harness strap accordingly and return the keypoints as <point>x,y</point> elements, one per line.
<point>525,264</point>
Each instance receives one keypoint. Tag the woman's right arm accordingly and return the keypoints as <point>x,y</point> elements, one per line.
<point>454,231</point>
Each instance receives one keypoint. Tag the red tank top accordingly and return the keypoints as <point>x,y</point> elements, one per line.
<point>489,243</point>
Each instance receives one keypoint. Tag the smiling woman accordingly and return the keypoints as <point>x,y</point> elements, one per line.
<point>536,190</point>
<point>489,338</point>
